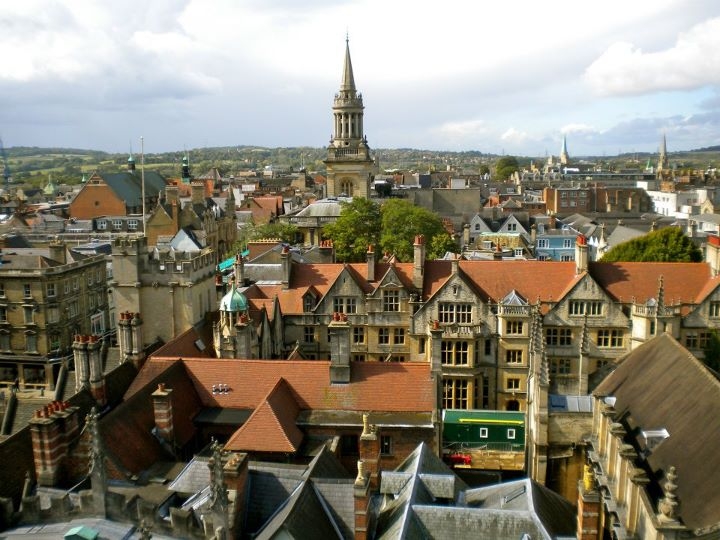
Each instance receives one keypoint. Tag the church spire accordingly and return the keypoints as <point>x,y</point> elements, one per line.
<point>348,79</point>
<point>564,156</point>
<point>663,164</point>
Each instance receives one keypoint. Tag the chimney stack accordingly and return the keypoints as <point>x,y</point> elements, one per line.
<point>581,254</point>
<point>418,261</point>
<point>286,261</point>
<point>82,365</point>
<point>370,263</point>
<point>97,378</point>
<point>339,329</point>
<point>361,491</point>
<point>163,408</point>
<point>589,507</point>
<point>197,193</point>
<point>52,429</point>
<point>58,250</point>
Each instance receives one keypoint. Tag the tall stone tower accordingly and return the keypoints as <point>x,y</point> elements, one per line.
<point>350,168</point>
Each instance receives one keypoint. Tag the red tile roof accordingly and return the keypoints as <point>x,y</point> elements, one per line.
<point>271,427</point>
<point>548,281</point>
<point>683,282</point>
<point>373,386</point>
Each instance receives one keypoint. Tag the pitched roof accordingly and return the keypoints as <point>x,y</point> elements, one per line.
<point>128,186</point>
<point>661,385</point>
<point>548,281</point>
<point>682,282</point>
<point>304,515</point>
<point>371,388</point>
<point>271,427</point>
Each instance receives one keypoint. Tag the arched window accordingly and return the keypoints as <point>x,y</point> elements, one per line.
<point>346,187</point>
<point>512,405</point>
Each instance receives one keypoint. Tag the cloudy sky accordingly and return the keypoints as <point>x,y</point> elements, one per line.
<point>510,76</point>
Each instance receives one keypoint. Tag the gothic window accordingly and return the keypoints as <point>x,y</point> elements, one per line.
<point>399,336</point>
<point>449,313</point>
<point>383,336</point>
<point>514,327</point>
<point>560,366</point>
<point>454,353</point>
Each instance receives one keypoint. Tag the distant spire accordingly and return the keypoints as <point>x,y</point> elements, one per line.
<point>663,163</point>
<point>348,79</point>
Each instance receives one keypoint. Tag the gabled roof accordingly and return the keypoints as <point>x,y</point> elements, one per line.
<point>662,385</point>
<point>271,427</point>
<point>128,186</point>
<point>547,281</point>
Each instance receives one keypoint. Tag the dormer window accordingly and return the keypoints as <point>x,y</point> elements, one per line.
<point>308,303</point>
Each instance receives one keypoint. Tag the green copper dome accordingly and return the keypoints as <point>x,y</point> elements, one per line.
<point>234,301</point>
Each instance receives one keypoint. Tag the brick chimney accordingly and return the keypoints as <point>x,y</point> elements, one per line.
<point>339,329</point>
<point>52,429</point>
<point>370,263</point>
<point>163,409</point>
<point>361,492</point>
<point>418,261</point>
<point>236,477</point>
<point>581,254</point>
<point>369,450</point>
<point>589,507</point>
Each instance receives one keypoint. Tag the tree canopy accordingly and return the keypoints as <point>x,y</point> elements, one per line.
<point>506,166</point>
<point>392,226</point>
<point>357,228</point>
<point>669,244</point>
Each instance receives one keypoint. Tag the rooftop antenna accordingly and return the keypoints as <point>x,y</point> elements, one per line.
<point>142,177</point>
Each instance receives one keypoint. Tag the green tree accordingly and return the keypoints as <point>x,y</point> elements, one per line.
<point>357,227</point>
<point>484,169</point>
<point>666,245</point>
<point>402,221</point>
<point>712,351</point>
<point>505,167</point>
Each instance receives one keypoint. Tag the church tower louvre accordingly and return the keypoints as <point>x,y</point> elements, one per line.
<point>350,168</point>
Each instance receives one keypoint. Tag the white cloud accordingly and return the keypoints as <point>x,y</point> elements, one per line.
<point>625,69</point>
<point>512,135</point>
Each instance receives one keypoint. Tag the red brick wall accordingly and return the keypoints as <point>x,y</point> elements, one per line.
<point>96,200</point>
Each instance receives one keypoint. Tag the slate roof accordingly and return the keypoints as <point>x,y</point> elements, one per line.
<point>128,186</point>
<point>424,499</point>
<point>661,385</point>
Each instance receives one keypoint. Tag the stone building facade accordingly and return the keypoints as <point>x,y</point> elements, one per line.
<point>171,289</point>
<point>47,296</point>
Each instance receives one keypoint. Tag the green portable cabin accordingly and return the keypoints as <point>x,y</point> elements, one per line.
<point>492,430</point>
